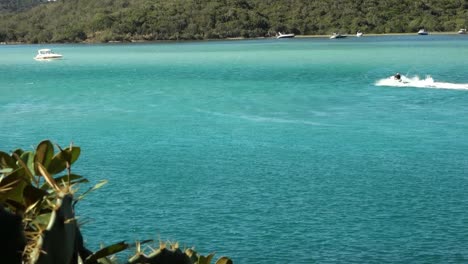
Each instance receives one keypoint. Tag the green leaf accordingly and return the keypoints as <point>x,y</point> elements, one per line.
<point>7,161</point>
<point>192,254</point>
<point>105,261</point>
<point>28,159</point>
<point>43,220</point>
<point>5,171</point>
<point>107,251</point>
<point>224,260</point>
<point>16,179</point>
<point>60,160</point>
<point>47,177</point>
<point>32,194</point>
<point>44,154</point>
<point>6,187</point>
<point>74,152</point>
<point>18,152</point>
<point>27,170</point>
<point>205,260</point>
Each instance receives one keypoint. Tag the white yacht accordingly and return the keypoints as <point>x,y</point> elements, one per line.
<point>359,34</point>
<point>47,54</point>
<point>281,35</point>
<point>422,31</point>
<point>462,31</point>
<point>337,36</point>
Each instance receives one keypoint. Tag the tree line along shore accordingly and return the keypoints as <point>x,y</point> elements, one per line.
<point>70,21</point>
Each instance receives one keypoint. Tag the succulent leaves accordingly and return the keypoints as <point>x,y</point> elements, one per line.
<point>106,251</point>
<point>44,154</point>
<point>37,205</point>
<point>46,211</point>
<point>169,253</point>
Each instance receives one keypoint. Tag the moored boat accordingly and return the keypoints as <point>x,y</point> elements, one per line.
<point>462,31</point>
<point>337,36</point>
<point>359,34</point>
<point>423,32</point>
<point>47,54</point>
<point>281,35</point>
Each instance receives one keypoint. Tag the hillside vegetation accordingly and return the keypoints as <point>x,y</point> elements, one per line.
<point>18,5</point>
<point>126,20</point>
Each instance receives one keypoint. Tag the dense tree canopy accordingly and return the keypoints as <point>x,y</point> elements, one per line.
<point>18,5</point>
<point>125,20</point>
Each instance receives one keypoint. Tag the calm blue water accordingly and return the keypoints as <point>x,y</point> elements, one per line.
<point>267,151</point>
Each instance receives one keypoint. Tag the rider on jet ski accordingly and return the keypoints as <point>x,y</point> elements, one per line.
<point>397,76</point>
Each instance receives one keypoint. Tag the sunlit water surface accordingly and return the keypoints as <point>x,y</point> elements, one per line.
<point>267,151</point>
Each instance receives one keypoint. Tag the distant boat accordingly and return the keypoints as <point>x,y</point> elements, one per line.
<point>281,35</point>
<point>337,36</point>
<point>47,54</point>
<point>462,31</point>
<point>359,34</point>
<point>423,32</point>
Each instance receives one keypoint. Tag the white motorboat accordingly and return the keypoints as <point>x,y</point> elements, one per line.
<point>337,36</point>
<point>47,54</point>
<point>281,35</point>
<point>359,34</point>
<point>462,31</point>
<point>423,32</point>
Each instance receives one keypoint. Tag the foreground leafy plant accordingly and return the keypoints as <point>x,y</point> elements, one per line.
<point>33,190</point>
<point>37,217</point>
<point>171,253</point>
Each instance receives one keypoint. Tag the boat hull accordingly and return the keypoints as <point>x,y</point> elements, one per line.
<point>285,36</point>
<point>48,57</point>
<point>337,37</point>
<point>423,32</point>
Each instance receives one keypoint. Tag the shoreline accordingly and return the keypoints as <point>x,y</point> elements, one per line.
<point>235,38</point>
<point>379,34</point>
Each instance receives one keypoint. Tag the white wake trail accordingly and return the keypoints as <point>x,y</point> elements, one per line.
<point>415,81</point>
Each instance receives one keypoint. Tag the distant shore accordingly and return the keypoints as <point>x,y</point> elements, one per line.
<point>379,34</point>
<point>346,34</point>
<point>236,38</point>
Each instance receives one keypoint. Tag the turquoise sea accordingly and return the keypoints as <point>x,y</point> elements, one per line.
<point>267,151</point>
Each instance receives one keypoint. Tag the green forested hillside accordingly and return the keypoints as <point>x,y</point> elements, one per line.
<point>125,20</point>
<point>18,5</point>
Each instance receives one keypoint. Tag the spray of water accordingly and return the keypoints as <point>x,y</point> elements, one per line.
<point>417,82</point>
